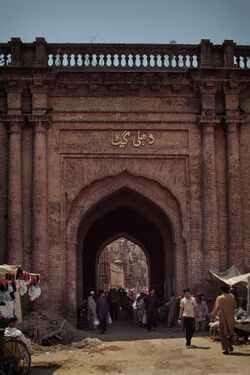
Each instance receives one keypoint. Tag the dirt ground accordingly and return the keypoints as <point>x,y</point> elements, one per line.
<point>131,350</point>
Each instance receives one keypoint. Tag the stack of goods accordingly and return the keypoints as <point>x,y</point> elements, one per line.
<point>14,282</point>
<point>241,316</point>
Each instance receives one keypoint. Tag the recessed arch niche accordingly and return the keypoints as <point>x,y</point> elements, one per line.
<point>124,205</point>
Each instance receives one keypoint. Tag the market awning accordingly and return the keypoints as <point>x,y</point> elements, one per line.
<point>10,269</point>
<point>224,276</point>
<point>239,279</point>
<point>231,277</point>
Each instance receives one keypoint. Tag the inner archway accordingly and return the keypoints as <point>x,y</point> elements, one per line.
<point>122,264</point>
<point>127,213</point>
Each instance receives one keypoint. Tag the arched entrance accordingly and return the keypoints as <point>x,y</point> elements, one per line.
<point>123,206</point>
<point>122,264</point>
<point>133,221</point>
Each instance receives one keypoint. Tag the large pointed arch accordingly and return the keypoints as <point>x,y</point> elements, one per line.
<point>104,196</point>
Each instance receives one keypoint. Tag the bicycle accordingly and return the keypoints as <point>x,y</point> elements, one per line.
<point>15,358</point>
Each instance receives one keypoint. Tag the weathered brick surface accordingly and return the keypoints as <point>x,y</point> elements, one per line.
<point>221,185</point>
<point>210,207</point>
<point>245,190</point>
<point>27,159</point>
<point>68,175</point>
<point>236,251</point>
<point>3,191</point>
<point>15,219</point>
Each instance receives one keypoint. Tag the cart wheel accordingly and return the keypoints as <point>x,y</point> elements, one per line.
<point>17,357</point>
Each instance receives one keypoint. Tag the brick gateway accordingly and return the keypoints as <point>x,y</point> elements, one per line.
<point>147,141</point>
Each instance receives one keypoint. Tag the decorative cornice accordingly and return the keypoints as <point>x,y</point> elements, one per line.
<point>232,88</point>
<point>209,122</point>
<point>15,123</point>
<point>209,87</point>
<point>40,123</point>
<point>232,123</point>
<point>13,86</point>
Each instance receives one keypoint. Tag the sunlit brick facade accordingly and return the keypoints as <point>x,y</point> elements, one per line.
<point>147,141</point>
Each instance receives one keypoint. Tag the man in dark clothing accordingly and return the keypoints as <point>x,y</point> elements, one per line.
<point>102,309</point>
<point>3,322</point>
<point>151,307</point>
<point>114,303</point>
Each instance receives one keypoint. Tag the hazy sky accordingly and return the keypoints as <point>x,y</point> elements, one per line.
<point>126,21</point>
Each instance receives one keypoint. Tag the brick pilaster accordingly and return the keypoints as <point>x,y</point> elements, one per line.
<point>40,200</point>
<point>15,227</point>
<point>235,243</point>
<point>3,190</point>
<point>210,210</point>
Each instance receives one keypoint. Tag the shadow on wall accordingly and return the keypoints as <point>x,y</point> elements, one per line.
<point>44,370</point>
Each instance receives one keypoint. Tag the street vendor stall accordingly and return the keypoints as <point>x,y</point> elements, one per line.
<point>242,317</point>
<point>231,277</point>
<point>14,283</point>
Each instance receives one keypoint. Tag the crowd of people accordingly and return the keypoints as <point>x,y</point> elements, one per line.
<point>102,308</point>
<point>146,307</point>
<point>169,312</point>
<point>188,311</point>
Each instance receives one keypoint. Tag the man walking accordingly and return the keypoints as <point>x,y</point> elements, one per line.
<point>102,309</point>
<point>188,311</point>
<point>151,307</point>
<point>92,317</point>
<point>224,307</point>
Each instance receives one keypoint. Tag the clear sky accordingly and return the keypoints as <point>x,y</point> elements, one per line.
<point>126,21</point>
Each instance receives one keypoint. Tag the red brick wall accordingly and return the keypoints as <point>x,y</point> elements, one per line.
<point>79,155</point>
<point>3,191</point>
<point>245,182</point>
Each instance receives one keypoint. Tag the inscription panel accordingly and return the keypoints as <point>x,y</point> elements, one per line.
<point>123,141</point>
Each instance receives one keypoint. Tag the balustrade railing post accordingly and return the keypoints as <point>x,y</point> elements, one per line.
<point>228,53</point>
<point>41,55</point>
<point>16,49</point>
<point>205,53</point>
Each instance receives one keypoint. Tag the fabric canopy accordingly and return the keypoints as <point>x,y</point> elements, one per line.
<point>231,277</point>
<point>224,276</point>
<point>239,279</point>
<point>10,269</point>
<point>232,280</point>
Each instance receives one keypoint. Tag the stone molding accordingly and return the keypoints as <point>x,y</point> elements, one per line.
<point>15,127</point>
<point>40,123</point>
<point>209,123</point>
<point>233,123</point>
<point>15,123</point>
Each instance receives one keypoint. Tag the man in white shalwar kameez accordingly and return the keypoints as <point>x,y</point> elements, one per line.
<point>92,316</point>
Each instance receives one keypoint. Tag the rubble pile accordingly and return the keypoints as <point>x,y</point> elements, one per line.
<point>38,324</point>
<point>85,344</point>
